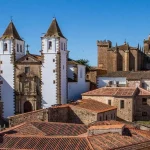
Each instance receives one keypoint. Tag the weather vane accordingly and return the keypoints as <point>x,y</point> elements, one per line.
<point>11,18</point>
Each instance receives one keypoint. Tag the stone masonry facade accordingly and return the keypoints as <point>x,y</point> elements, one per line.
<point>122,58</point>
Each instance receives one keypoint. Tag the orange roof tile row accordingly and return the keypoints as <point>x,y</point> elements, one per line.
<point>116,91</point>
<point>132,138</point>
<point>92,105</point>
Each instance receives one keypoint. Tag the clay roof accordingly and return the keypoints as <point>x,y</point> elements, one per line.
<point>143,92</point>
<point>132,138</point>
<point>116,74</point>
<point>112,91</point>
<point>92,105</point>
<point>54,30</point>
<point>47,129</point>
<point>138,75</point>
<point>73,62</point>
<point>11,32</point>
<point>130,75</point>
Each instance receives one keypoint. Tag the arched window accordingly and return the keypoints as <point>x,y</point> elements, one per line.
<point>20,48</point>
<point>17,47</point>
<point>50,45</point>
<point>64,47</point>
<point>5,46</point>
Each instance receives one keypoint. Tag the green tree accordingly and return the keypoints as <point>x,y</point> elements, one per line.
<point>84,62</point>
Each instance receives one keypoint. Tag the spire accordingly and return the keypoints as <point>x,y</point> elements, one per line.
<point>11,32</point>
<point>54,30</point>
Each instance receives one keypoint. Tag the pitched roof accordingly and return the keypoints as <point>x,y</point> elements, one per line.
<point>116,74</point>
<point>92,105</point>
<point>54,30</point>
<point>112,91</point>
<point>132,138</point>
<point>11,32</point>
<point>144,92</point>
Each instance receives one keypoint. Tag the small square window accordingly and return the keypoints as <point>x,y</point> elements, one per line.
<point>144,113</point>
<point>53,81</point>
<point>1,62</point>
<point>144,101</point>
<point>1,71</point>
<point>54,71</point>
<point>122,104</point>
<point>53,60</point>
<point>109,102</point>
<point>27,69</point>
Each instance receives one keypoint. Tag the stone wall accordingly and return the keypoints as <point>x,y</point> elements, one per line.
<point>58,114</point>
<point>141,108</point>
<point>125,113</point>
<point>79,115</point>
<point>38,115</point>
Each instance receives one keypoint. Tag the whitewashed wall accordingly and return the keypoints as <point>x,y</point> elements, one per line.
<point>7,88</point>
<point>75,89</point>
<point>103,81</point>
<point>70,71</point>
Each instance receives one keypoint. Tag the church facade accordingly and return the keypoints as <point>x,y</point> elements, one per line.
<point>30,82</point>
<point>123,57</point>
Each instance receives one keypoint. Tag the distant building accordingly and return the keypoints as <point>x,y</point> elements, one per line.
<point>132,102</point>
<point>123,57</point>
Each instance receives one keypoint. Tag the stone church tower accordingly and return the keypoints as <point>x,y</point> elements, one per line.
<point>11,49</point>
<point>54,68</point>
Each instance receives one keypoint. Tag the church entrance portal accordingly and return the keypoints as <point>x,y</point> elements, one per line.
<point>27,107</point>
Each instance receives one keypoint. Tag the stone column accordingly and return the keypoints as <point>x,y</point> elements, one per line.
<point>126,61</point>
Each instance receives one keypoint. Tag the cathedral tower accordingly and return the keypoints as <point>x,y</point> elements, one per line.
<point>54,69</point>
<point>11,48</point>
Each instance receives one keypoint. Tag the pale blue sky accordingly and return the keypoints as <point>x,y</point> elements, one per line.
<point>83,22</point>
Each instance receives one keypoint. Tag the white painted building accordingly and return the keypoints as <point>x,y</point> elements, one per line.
<point>118,78</point>
<point>77,83</point>
<point>54,69</point>
<point>11,49</point>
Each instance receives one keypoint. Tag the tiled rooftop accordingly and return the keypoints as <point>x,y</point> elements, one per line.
<point>112,91</point>
<point>132,138</point>
<point>92,105</point>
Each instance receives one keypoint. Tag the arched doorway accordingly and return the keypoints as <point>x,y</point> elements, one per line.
<point>27,107</point>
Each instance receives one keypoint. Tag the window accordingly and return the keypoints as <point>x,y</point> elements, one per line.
<point>5,47</point>
<point>81,73</point>
<point>53,70</point>
<point>64,47</point>
<point>106,117</point>
<point>1,71</point>
<point>61,46</point>
<point>110,83</point>
<point>100,118</point>
<point>27,69</point>
<point>111,116</point>
<point>50,45</point>
<point>53,81</point>
<point>109,102</point>
<point>122,104</point>
<point>53,60</point>
<point>144,101</point>
<point>20,48</point>
<point>114,116</point>
<point>17,47</point>
<point>63,67</point>
<point>144,113</point>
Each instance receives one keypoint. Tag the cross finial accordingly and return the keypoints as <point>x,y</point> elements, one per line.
<point>27,51</point>
<point>11,18</point>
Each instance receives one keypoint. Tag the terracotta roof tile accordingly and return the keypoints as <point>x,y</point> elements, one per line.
<point>112,91</point>
<point>143,92</point>
<point>92,105</point>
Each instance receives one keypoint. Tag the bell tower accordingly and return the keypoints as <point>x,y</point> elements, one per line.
<point>11,49</point>
<point>54,69</point>
<point>147,46</point>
